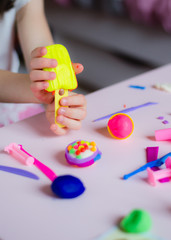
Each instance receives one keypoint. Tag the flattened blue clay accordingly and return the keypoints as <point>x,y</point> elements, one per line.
<point>67,186</point>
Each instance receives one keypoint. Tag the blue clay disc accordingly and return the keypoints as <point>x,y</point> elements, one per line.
<point>67,186</point>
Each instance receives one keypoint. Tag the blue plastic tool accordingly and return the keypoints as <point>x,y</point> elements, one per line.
<point>156,163</point>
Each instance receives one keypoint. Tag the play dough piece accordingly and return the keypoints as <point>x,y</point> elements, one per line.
<point>164,87</point>
<point>120,126</point>
<point>137,221</point>
<point>67,186</point>
<point>82,153</point>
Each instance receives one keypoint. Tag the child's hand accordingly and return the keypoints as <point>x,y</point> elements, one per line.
<point>38,76</point>
<point>69,116</point>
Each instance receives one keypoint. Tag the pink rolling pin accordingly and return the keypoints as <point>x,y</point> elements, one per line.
<point>163,134</point>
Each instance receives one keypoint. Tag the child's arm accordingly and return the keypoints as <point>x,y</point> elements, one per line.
<point>33,29</point>
<point>34,32</point>
<point>15,88</point>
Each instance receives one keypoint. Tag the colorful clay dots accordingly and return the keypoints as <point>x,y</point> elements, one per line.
<point>120,126</point>
<point>82,153</point>
<point>137,221</point>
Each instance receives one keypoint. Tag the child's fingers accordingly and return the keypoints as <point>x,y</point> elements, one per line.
<point>38,75</point>
<point>38,86</point>
<point>40,63</point>
<point>74,100</point>
<point>38,52</point>
<point>72,113</point>
<point>78,68</point>
<point>57,130</point>
<point>69,123</point>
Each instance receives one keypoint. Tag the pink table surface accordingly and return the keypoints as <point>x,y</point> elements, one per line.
<point>28,209</point>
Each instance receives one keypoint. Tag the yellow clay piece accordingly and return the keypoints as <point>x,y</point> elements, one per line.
<point>65,75</point>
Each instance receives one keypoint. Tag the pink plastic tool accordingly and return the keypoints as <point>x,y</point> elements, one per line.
<point>152,155</point>
<point>20,154</point>
<point>15,150</point>
<point>153,176</point>
<point>163,134</point>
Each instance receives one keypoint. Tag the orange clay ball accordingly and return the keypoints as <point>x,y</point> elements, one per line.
<point>120,126</point>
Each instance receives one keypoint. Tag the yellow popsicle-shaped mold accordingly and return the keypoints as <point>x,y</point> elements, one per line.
<point>65,75</point>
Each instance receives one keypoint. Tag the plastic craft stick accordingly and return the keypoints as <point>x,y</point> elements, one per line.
<point>126,110</point>
<point>156,163</point>
<point>19,172</point>
<point>65,75</point>
<point>137,86</point>
<point>163,134</point>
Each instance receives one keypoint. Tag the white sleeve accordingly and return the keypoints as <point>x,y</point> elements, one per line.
<point>20,3</point>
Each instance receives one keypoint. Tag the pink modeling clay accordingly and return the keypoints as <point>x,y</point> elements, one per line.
<point>120,126</point>
<point>163,134</point>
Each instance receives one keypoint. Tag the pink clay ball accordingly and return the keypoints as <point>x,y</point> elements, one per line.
<point>120,126</point>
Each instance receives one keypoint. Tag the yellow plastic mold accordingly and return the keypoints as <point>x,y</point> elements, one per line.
<point>65,75</point>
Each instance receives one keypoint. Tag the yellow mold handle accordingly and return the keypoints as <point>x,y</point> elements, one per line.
<point>57,105</point>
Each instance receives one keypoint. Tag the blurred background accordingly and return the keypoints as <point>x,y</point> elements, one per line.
<point>101,35</point>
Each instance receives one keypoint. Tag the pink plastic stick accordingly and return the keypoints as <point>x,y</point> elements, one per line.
<point>42,167</point>
<point>15,150</point>
<point>163,134</point>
